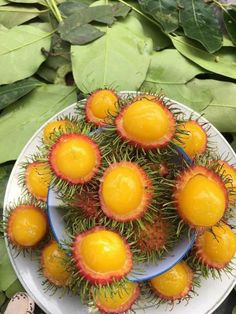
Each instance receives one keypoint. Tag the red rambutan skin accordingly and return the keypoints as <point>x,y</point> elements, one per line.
<point>88,202</point>
<point>143,207</point>
<point>123,308</point>
<point>11,217</point>
<point>57,171</point>
<point>159,144</point>
<point>154,237</point>
<point>183,294</point>
<point>183,178</point>
<point>92,276</point>
<point>88,113</point>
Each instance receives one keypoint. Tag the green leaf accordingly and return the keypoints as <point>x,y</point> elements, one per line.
<point>7,274</point>
<point>122,61</point>
<point>14,288</point>
<point>12,92</point>
<point>227,42</point>
<point>170,67</point>
<point>165,12</point>
<point>2,298</point>
<point>216,99</point>
<point>28,1</point>
<point>11,16</point>
<point>120,10</point>
<point>20,51</point>
<point>199,23</point>
<point>234,310</point>
<point>3,2</point>
<point>233,144</point>
<point>230,24</point>
<point>160,40</point>
<point>80,35</point>
<point>21,119</point>
<point>5,171</point>
<point>46,27</point>
<point>223,62</point>
<point>69,8</point>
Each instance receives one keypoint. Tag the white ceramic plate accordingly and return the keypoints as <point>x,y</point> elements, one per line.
<point>211,294</point>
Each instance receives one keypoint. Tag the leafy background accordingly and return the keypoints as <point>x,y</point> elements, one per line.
<point>53,51</point>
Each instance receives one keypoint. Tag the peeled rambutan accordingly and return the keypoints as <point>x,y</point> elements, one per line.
<point>75,158</point>
<point>215,248</point>
<point>37,179</point>
<point>146,123</point>
<point>119,301</point>
<point>54,265</point>
<point>125,191</point>
<point>100,104</point>
<point>195,141</point>
<point>26,226</point>
<point>154,236</point>
<point>101,256</point>
<point>55,126</point>
<point>201,197</point>
<point>175,284</point>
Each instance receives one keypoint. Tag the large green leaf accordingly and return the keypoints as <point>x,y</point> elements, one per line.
<point>7,273</point>
<point>199,23</point>
<point>15,287</point>
<point>3,2</point>
<point>12,92</point>
<point>230,24</point>
<point>5,171</point>
<point>122,61</point>
<point>223,62</point>
<point>170,67</point>
<point>11,15</point>
<point>216,99</point>
<point>20,52</point>
<point>2,298</point>
<point>21,119</point>
<point>165,12</point>
<point>160,40</point>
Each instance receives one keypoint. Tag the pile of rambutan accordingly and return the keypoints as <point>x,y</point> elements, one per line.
<point>129,195</point>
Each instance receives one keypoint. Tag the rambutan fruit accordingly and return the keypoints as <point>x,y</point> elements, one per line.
<point>37,178</point>
<point>54,127</point>
<point>194,138</point>
<point>119,301</point>
<point>100,105</point>
<point>87,202</point>
<point>229,170</point>
<point>175,284</point>
<point>215,248</point>
<point>101,256</point>
<point>125,191</point>
<point>154,236</point>
<point>26,225</point>
<point>74,158</point>
<point>201,197</point>
<point>146,123</point>
<point>53,262</point>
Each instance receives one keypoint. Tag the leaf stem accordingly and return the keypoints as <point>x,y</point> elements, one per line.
<point>3,9</point>
<point>139,12</point>
<point>58,13</point>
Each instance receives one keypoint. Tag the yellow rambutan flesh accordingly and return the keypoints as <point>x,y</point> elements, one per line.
<point>216,247</point>
<point>26,226</point>
<point>54,265</point>
<point>54,127</point>
<point>146,123</point>
<point>75,158</point>
<point>37,179</point>
<point>175,284</point>
<point>201,197</point>
<point>125,191</point>
<point>120,301</point>
<point>102,256</point>
<point>100,104</point>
